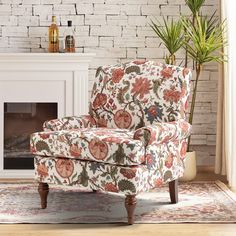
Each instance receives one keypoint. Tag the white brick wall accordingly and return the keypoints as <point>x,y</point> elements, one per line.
<point>116,30</point>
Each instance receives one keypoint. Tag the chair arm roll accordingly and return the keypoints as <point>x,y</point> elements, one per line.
<point>163,132</point>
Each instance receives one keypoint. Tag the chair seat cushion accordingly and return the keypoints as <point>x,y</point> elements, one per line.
<point>114,146</point>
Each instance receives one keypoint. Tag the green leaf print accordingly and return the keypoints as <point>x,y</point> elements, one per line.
<point>41,146</point>
<point>83,177</point>
<point>131,69</point>
<point>126,185</point>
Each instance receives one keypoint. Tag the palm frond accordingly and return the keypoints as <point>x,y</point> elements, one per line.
<point>194,6</point>
<point>206,39</point>
<point>171,34</point>
<point>212,22</point>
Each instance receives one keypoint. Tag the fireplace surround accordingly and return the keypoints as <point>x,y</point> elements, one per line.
<point>21,120</point>
<point>35,87</point>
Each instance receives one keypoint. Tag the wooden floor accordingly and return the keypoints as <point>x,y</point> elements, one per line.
<point>122,229</point>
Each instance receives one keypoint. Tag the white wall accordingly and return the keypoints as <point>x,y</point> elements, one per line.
<point>116,30</point>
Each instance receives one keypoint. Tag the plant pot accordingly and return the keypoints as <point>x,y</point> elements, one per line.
<point>190,171</point>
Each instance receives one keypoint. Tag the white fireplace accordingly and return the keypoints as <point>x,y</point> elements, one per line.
<point>35,87</point>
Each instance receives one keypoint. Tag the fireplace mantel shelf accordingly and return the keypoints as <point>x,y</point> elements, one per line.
<point>14,61</point>
<point>60,78</point>
<point>46,57</point>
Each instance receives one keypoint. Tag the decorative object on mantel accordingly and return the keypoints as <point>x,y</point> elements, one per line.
<point>55,44</point>
<point>203,40</point>
<point>69,38</point>
<point>53,36</point>
<point>32,85</point>
<point>200,202</point>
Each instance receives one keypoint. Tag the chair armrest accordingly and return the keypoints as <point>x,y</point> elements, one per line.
<point>163,132</point>
<point>71,122</point>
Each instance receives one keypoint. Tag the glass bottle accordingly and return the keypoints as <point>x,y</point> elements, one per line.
<point>69,38</point>
<point>53,33</point>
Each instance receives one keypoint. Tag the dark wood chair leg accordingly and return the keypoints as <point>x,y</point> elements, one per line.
<point>173,188</point>
<point>130,204</point>
<point>43,190</point>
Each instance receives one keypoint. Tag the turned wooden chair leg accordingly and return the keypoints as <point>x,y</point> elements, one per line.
<point>173,188</point>
<point>130,204</point>
<point>43,190</point>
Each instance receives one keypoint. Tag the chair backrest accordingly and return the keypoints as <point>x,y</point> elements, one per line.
<point>136,94</point>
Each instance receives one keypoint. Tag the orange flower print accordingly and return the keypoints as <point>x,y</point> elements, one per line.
<point>128,173</point>
<point>102,122</point>
<point>98,149</point>
<point>65,167</point>
<point>44,135</point>
<point>158,182</point>
<point>183,92</point>
<point>117,75</point>
<point>112,140</point>
<point>75,151</point>
<point>171,95</point>
<point>186,105</point>
<point>184,126</point>
<point>141,87</point>
<point>90,120</point>
<point>110,188</point>
<point>61,138</point>
<point>138,62</point>
<point>183,150</point>
<point>122,119</point>
<point>100,100</point>
<point>101,132</point>
<point>153,111</point>
<point>166,138</point>
<point>167,72</point>
<point>169,161</point>
<point>185,71</point>
<point>42,170</point>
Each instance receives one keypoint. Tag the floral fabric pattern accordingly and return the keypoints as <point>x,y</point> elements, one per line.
<point>134,139</point>
<point>72,122</point>
<point>113,178</point>
<point>114,146</point>
<point>163,132</point>
<point>137,94</point>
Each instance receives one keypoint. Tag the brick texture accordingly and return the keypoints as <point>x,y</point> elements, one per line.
<point>117,31</point>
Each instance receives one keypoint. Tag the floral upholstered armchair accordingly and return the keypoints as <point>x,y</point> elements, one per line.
<point>132,140</point>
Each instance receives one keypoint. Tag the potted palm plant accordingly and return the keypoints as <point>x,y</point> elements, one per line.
<point>203,40</point>
<point>204,45</point>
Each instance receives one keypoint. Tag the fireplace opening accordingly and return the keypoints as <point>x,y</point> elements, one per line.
<point>20,120</point>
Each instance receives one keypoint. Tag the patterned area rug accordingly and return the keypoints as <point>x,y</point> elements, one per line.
<point>200,202</point>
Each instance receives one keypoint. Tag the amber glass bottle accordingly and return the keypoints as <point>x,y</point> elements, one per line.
<point>53,33</point>
<point>69,38</point>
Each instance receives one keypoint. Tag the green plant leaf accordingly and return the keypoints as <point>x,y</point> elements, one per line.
<point>206,39</point>
<point>171,34</point>
<point>194,6</point>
